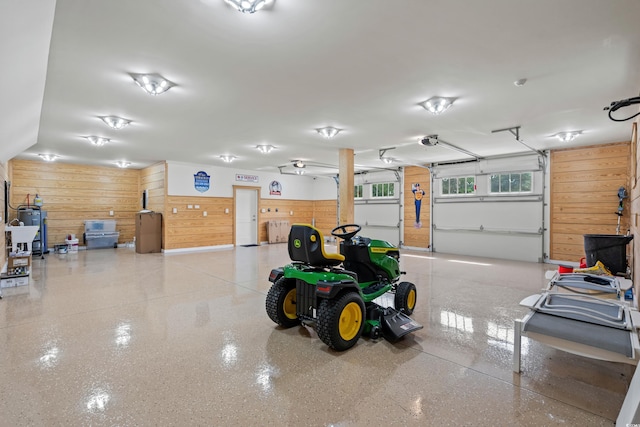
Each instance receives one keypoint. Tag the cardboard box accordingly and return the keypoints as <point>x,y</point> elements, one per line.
<point>11,282</point>
<point>18,261</point>
<point>148,232</point>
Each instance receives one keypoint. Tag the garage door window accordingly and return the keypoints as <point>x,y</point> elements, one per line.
<point>357,191</point>
<point>383,190</point>
<point>458,185</point>
<point>511,182</point>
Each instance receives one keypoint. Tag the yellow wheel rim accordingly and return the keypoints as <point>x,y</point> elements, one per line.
<point>289,304</point>
<point>411,299</point>
<point>350,321</point>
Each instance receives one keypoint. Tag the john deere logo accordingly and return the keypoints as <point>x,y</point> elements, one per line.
<point>297,243</point>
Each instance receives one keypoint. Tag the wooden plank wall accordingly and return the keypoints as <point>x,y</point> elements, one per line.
<point>74,193</point>
<point>189,228</point>
<point>325,213</point>
<point>584,188</point>
<point>417,237</point>
<point>634,205</point>
<point>302,212</point>
<point>153,179</point>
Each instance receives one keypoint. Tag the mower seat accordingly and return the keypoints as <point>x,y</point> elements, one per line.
<point>306,244</point>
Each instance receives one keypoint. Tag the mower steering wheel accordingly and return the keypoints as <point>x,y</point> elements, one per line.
<point>346,235</point>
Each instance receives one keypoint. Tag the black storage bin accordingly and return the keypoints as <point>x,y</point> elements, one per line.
<point>609,249</point>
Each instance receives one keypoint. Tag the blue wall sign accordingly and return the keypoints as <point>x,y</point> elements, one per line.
<point>201,181</point>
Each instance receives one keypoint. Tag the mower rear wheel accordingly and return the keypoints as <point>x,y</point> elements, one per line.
<point>341,321</point>
<point>281,303</point>
<point>405,300</point>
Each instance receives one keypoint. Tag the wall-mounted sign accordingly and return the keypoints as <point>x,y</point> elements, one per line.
<point>275,188</point>
<point>418,194</point>
<point>201,181</point>
<point>246,178</point>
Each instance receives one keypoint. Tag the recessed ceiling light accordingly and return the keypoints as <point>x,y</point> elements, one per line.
<point>228,158</point>
<point>437,104</point>
<point>98,141</point>
<point>123,164</point>
<point>248,6</point>
<point>300,171</point>
<point>48,157</point>
<point>153,84</point>
<point>328,132</point>
<point>299,164</point>
<point>115,122</point>
<point>264,148</point>
<point>387,160</point>
<point>568,136</point>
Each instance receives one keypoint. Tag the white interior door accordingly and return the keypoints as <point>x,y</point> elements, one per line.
<point>246,217</point>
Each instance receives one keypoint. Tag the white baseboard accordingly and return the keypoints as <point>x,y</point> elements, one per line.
<point>197,249</point>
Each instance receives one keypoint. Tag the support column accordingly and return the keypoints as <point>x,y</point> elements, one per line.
<point>345,190</point>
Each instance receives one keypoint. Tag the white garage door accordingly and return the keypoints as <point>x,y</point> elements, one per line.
<point>378,211</point>
<point>490,208</point>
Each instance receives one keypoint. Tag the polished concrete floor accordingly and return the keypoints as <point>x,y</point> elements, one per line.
<point>113,338</point>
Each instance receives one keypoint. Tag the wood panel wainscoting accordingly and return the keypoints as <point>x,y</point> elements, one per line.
<point>189,228</point>
<point>293,211</point>
<point>634,206</point>
<point>74,193</point>
<point>154,180</point>
<point>584,196</point>
<point>325,215</point>
<point>417,237</point>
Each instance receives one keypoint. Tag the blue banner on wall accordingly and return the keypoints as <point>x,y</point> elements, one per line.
<point>201,181</point>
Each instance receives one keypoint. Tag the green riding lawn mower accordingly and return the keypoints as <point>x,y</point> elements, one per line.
<point>335,292</point>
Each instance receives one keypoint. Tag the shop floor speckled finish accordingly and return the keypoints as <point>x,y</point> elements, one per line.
<point>113,338</point>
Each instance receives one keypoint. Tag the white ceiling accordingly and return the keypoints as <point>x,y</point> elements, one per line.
<point>360,65</point>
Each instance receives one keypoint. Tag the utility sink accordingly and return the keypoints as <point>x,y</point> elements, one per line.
<point>22,234</point>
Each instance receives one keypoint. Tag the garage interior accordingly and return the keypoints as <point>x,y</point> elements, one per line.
<point>318,112</point>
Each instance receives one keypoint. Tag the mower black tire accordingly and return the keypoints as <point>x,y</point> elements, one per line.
<point>281,303</point>
<point>341,320</point>
<point>405,300</point>
<point>375,333</point>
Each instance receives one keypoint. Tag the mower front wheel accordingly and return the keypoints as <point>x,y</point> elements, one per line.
<point>405,300</point>
<point>281,303</point>
<point>340,321</point>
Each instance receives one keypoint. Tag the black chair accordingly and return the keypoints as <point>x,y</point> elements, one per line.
<point>306,244</point>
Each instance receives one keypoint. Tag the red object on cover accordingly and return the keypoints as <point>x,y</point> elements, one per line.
<point>565,269</point>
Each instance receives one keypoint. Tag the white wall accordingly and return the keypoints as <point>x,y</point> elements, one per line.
<point>180,182</point>
<point>325,188</point>
<point>25,31</point>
